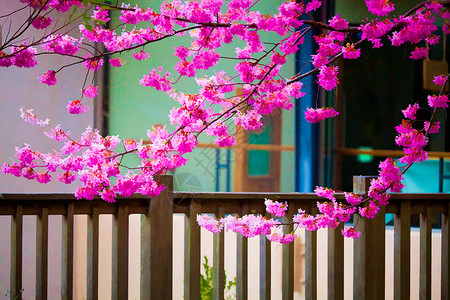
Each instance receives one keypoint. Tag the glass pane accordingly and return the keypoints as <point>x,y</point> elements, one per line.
<point>258,163</point>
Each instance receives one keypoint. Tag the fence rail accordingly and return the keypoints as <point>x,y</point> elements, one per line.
<point>157,234</point>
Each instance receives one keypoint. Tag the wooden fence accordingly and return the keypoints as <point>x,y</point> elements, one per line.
<point>157,233</point>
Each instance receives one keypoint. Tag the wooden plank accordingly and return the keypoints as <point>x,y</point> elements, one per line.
<point>41,253</point>
<point>445,255</point>
<point>425,254</point>
<point>192,258</point>
<point>92,254</point>
<point>287,269</point>
<point>242,261</point>
<point>16,253</point>
<point>120,252</point>
<point>265,269</point>
<point>219,260</point>
<point>67,254</point>
<point>336,263</point>
<point>369,250</point>
<point>161,241</point>
<point>402,251</point>
<point>86,206</point>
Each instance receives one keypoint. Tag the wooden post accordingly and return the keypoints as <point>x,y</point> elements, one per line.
<point>156,245</point>
<point>369,253</point>
<point>161,242</point>
<point>192,253</point>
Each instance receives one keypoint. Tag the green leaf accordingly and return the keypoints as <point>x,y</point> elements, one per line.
<point>73,12</point>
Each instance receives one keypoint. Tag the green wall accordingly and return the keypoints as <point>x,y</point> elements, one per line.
<point>134,108</point>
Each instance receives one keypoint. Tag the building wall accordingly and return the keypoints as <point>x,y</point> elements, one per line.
<point>21,88</point>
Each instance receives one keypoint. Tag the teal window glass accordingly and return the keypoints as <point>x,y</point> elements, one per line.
<point>259,160</point>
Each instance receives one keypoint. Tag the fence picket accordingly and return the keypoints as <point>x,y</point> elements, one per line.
<point>16,253</point>
<point>92,254</point>
<point>219,260</point>
<point>402,250</point>
<point>41,253</point>
<point>264,267</point>
<point>242,260</point>
<point>67,254</point>
<point>425,255</point>
<point>192,253</point>
<point>120,253</point>
<point>288,259</point>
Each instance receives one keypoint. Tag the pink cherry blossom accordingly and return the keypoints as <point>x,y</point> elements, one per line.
<point>209,223</point>
<point>350,52</point>
<point>434,128</point>
<point>351,232</point>
<point>315,115</point>
<point>101,14</point>
<point>66,177</point>
<point>75,107</point>
<point>91,91</point>
<point>440,80</point>
<point>116,62</point>
<point>48,78</point>
<point>30,117</point>
<point>328,77</point>
<point>380,7</point>
<point>324,192</point>
<point>313,5</point>
<point>353,199</point>
<point>93,64</point>
<point>41,22</point>
<point>5,61</point>
<point>419,53</point>
<point>438,101</point>
<point>141,55</point>
<point>411,111</point>
<point>24,56</point>
<point>57,134</point>
<point>338,23</point>
<point>276,208</point>
<point>43,177</point>
<point>369,211</point>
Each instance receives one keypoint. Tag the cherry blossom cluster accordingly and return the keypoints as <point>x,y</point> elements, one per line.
<point>95,162</point>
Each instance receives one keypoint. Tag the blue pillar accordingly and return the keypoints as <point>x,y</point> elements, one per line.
<point>306,134</point>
